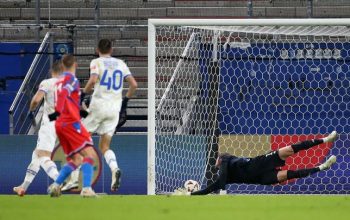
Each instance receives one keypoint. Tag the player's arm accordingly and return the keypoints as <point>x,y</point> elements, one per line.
<point>223,174</point>
<point>211,188</point>
<point>94,73</point>
<point>90,84</point>
<point>132,86</point>
<point>131,91</point>
<point>36,100</point>
<point>220,183</point>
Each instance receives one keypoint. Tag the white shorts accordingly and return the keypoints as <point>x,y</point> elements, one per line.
<point>102,120</point>
<point>47,135</point>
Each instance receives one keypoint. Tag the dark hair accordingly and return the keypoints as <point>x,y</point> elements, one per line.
<point>104,46</point>
<point>68,60</point>
<point>57,66</point>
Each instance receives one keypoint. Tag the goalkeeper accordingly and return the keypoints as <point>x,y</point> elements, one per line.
<point>264,169</point>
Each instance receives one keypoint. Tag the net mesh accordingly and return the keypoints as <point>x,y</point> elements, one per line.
<point>248,91</point>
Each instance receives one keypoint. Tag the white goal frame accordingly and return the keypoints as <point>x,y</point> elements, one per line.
<point>153,23</point>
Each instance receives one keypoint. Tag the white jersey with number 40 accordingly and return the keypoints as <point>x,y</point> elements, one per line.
<point>108,89</point>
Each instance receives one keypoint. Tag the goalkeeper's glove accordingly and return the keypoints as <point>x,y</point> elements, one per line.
<point>122,114</point>
<point>82,96</point>
<point>124,104</point>
<point>53,116</point>
<point>83,113</point>
<point>122,119</point>
<point>31,115</point>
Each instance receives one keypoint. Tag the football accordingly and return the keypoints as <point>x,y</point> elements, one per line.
<point>191,186</point>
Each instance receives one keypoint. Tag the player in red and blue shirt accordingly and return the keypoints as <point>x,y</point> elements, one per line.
<point>74,138</point>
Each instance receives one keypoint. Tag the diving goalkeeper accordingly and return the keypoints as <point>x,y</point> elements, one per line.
<point>264,169</point>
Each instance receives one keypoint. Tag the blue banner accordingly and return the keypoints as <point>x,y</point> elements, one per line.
<point>131,152</point>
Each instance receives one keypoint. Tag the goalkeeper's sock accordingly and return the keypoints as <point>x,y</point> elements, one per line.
<point>111,159</point>
<point>88,170</point>
<point>32,169</point>
<point>66,170</point>
<point>331,137</point>
<point>292,174</point>
<point>304,145</point>
<point>49,167</point>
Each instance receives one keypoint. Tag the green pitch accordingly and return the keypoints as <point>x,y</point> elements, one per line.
<point>235,207</point>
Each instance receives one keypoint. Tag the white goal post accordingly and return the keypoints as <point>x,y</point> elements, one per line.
<point>246,86</point>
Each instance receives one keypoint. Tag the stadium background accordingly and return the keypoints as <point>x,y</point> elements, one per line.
<point>24,23</point>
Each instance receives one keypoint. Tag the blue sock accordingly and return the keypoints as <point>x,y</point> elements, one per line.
<point>88,171</point>
<point>65,172</point>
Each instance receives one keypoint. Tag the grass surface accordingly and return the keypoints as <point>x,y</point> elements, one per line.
<point>236,207</point>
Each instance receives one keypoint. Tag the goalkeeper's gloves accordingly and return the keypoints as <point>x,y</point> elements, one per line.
<point>31,115</point>
<point>122,119</point>
<point>53,116</point>
<point>82,96</point>
<point>83,113</point>
<point>124,104</point>
<point>122,114</point>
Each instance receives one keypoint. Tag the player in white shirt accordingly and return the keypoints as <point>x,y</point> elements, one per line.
<point>41,156</point>
<point>106,78</point>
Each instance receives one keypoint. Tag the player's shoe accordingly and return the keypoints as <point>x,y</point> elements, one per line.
<point>326,165</point>
<point>70,186</point>
<point>88,193</point>
<point>54,190</point>
<point>116,178</point>
<point>181,192</point>
<point>19,190</point>
<point>331,137</point>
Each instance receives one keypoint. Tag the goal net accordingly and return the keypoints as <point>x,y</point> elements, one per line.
<point>247,90</point>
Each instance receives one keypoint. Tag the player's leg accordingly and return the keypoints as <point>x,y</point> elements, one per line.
<point>64,134</point>
<point>111,160</point>
<point>90,122</point>
<point>41,156</point>
<point>87,169</point>
<point>106,130</point>
<point>47,164</point>
<point>46,143</point>
<point>32,170</point>
<point>285,152</point>
<point>73,182</point>
<point>55,188</point>
<point>284,175</point>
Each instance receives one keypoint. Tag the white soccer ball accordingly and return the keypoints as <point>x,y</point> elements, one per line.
<point>191,186</point>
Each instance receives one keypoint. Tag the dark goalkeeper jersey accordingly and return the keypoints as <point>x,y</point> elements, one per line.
<point>232,170</point>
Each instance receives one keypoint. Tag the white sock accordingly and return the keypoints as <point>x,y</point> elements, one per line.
<point>49,167</point>
<point>32,169</point>
<point>111,159</point>
<point>74,176</point>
